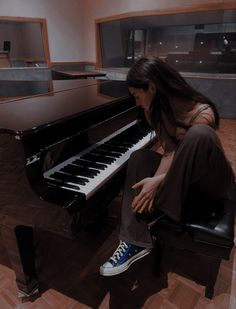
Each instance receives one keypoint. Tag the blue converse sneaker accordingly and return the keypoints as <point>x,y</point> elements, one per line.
<point>125,255</point>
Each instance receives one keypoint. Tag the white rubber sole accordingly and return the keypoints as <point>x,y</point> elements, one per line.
<point>105,271</point>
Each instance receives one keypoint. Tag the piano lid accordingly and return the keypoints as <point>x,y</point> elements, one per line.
<point>17,89</point>
<point>32,113</point>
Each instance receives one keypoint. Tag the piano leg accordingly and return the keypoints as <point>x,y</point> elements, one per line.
<point>19,244</point>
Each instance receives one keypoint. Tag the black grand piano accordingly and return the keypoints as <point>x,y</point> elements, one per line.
<point>63,155</point>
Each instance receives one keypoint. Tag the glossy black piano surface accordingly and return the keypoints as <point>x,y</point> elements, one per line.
<point>16,89</point>
<point>60,154</point>
<point>34,113</point>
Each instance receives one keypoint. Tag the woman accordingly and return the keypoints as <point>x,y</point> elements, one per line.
<point>189,161</point>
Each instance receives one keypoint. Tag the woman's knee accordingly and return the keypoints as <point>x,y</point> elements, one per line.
<point>139,157</point>
<point>201,132</point>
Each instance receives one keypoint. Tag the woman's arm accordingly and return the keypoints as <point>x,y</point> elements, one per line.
<point>147,188</point>
<point>165,164</point>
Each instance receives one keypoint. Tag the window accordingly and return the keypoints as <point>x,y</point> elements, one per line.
<point>191,42</point>
<point>23,43</point>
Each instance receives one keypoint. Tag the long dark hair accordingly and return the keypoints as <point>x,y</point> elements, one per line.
<point>168,82</point>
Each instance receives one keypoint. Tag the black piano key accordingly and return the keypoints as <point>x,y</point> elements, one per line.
<point>117,143</point>
<point>126,136</point>
<point>97,166</point>
<point>69,178</point>
<point>105,153</point>
<point>96,158</point>
<point>80,171</point>
<point>113,148</point>
<point>57,182</point>
<point>83,174</point>
<point>132,139</point>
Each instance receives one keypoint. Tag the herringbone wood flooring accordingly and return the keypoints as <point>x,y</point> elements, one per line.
<point>71,280</point>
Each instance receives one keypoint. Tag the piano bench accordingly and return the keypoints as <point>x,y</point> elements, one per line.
<point>194,248</point>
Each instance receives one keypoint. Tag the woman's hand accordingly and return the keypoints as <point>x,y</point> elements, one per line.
<point>147,189</point>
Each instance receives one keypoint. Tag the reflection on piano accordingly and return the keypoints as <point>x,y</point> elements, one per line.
<point>62,161</point>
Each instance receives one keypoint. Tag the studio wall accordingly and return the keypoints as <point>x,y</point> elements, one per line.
<point>71,23</point>
<point>64,24</point>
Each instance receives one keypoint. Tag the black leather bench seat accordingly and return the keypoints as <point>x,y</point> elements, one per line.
<point>217,231</point>
<point>206,238</point>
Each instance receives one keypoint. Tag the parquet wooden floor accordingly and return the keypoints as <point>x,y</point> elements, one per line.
<point>71,280</point>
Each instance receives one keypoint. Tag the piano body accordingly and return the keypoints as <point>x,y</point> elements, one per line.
<point>62,160</point>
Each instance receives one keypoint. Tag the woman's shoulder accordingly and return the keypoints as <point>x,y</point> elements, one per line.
<point>203,114</point>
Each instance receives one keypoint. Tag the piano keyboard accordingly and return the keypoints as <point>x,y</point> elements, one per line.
<point>87,171</point>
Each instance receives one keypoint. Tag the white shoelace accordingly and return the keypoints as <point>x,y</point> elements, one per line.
<point>119,251</point>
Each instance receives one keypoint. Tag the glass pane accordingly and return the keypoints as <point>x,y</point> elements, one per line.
<point>191,42</point>
<point>21,44</point>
